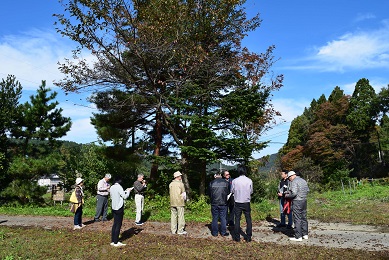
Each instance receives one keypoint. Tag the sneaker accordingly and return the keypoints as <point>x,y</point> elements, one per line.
<point>289,227</point>
<point>118,244</point>
<point>76,227</point>
<point>139,223</point>
<point>305,237</point>
<point>182,233</point>
<point>112,243</point>
<point>97,220</point>
<point>226,234</point>
<point>82,225</point>
<point>281,225</point>
<point>296,239</point>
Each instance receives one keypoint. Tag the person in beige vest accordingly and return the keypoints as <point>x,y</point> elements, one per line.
<point>177,204</point>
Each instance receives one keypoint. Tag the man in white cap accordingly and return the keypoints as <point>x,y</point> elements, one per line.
<point>298,191</point>
<point>102,198</point>
<point>177,204</point>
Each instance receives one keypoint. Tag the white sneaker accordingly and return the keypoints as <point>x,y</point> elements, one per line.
<point>82,225</point>
<point>112,243</point>
<point>296,239</point>
<point>305,237</point>
<point>76,227</point>
<point>182,233</point>
<point>118,244</point>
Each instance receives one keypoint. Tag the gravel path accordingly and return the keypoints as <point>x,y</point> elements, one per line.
<point>336,235</point>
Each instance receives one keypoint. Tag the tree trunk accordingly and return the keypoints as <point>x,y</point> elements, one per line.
<point>203,175</point>
<point>185,180</point>
<point>158,144</point>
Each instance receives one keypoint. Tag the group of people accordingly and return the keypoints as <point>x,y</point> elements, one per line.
<point>119,195</point>
<point>229,199</point>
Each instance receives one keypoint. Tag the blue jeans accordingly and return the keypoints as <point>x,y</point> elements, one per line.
<point>218,212</point>
<point>246,209</point>
<point>78,216</point>
<point>283,217</point>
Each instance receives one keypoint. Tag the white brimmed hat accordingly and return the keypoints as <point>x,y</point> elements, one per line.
<point>176,174</point>
<point>291,173</point>
<point>79,180</point>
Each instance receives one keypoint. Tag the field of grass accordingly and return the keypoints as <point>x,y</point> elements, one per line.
<point>35,243</point>
<point>365,204</point>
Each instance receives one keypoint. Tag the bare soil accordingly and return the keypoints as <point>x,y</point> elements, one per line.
<point>329,235</point>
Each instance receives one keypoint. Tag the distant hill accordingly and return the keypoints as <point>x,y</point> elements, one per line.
<point>270,165</point>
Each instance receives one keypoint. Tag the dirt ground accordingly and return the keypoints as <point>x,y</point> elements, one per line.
<point>332,235</point>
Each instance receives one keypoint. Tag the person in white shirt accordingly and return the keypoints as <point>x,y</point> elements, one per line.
<point>242,188</point>
<point>102,198</point>
<point>118,195</point>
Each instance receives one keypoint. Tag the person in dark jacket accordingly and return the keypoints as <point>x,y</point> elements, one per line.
<point>218,191</point>
<point>230,203</point>
<point>282,189</point>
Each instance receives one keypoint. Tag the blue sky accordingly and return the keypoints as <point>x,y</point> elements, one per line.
<point>320,44</point>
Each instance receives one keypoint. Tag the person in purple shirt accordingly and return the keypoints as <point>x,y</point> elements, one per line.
<point>242,188</point>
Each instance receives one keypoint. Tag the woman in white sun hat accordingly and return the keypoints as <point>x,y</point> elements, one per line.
<point>78,200</point>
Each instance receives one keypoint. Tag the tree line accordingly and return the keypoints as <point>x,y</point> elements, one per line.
<point>341,136</point>
<point>173,85</point>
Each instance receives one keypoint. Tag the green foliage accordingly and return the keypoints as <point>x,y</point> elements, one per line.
<point>10,93</point>
<point>334,180</point>
<point>342,136</point>
<point>20,192</point>
<point>41,120</point>
<point>351,204</point>
<point>264,188</point>
<point>184,83</point>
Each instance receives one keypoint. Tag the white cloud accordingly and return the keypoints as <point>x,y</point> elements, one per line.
<point>76,110</point>
<point>365,16</point>
<point>290,108</point>
<point>376,83</point>
<point>32,57</point>
<point>356,50</point>
<point>81,132</point>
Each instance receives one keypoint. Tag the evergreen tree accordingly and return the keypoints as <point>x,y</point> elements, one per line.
<point>41,120</point>
<point>10,93</point>
<point>168,67</point>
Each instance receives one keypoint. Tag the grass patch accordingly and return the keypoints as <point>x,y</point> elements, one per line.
<point>367,204</point>
<point>36,243</point>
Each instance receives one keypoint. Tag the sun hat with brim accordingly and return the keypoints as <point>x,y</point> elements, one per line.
<point>176,174</point>
<point>79,180</point>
